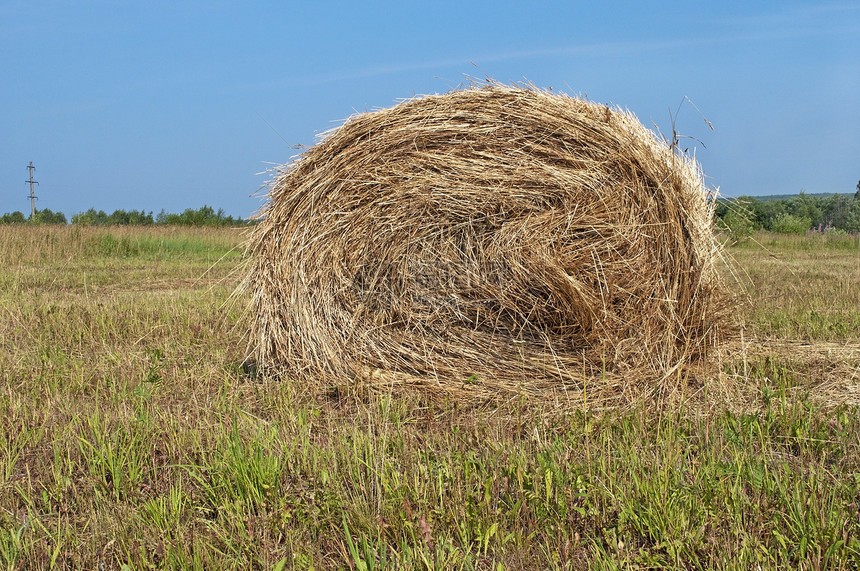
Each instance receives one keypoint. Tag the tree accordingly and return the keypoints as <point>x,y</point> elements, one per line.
<point>16,217</point>
<point>46,216</point>
<point>804,206</point>
<point>836,210</point>
<point>90,218</point>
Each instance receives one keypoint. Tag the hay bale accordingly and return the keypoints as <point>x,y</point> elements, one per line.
<point>490,241</point>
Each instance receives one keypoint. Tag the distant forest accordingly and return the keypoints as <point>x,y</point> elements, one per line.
<point>785,214</point>
<point>793,214</point>
<point>204,216</point>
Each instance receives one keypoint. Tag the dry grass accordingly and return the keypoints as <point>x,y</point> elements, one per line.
<point>799,304</point>
<point>131,438</point>
<point>487,243</point>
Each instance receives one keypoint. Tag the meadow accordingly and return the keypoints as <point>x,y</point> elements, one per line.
<point>132,436</point>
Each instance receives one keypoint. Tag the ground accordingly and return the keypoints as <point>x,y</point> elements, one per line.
<point>131,435</point>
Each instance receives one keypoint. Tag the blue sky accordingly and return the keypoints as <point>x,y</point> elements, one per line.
<point>172,105</point>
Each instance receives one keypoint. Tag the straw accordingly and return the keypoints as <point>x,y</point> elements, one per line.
<point>488,242</point>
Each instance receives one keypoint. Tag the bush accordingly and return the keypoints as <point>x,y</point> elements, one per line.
<point>739,226</point>
<point>790,224</point>
<point>205,216</point>
<point>46,216</point>
<point>16,217</point>
<point>90,218</point>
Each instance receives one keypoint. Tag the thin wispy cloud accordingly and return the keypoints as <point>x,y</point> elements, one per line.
<point>828,19</point>
<point>770,27</point>
<point>804,14</point>
<point>592,50</point>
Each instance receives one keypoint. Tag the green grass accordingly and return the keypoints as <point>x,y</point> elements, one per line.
<point>131,438</point>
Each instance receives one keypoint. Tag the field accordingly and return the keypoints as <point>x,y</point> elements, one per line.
<point>132,436</point>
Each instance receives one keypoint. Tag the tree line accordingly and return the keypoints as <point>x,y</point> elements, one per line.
<point>742,216</point>
<point>204,216</point>
<point>791,215</point>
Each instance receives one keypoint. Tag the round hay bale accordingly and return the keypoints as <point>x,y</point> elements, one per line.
<point>490,241</point>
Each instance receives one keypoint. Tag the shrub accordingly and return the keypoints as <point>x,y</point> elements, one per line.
<point>90,218</point>
<point>739,226</point>
<point>47,216</point>
<point>790,224</point>
<point>16,217</point>
<point>204,216</point>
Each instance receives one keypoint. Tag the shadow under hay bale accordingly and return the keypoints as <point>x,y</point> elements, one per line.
<point>487,242</point>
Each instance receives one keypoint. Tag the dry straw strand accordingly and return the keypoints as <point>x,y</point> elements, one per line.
<point>486,243</point>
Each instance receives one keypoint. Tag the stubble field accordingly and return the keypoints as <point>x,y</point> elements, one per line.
<point>131,435</point>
